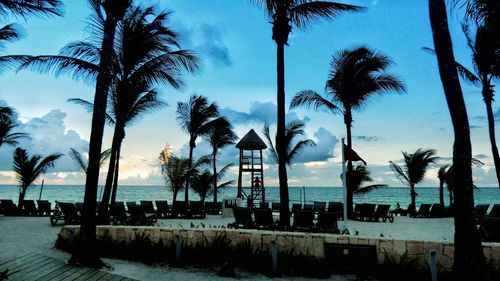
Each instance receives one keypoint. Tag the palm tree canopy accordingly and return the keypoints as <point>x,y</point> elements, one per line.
<point>293,129</point>
<point>479,10</point>
<point>176,169</point>
<point>220,133</point>
<point>357,179</point>
<point>25,8</point>
<point>415,166</point>
<point>194,116</point>
<point>7,136</point>
<point>27,169</point>
<point>6,113</point>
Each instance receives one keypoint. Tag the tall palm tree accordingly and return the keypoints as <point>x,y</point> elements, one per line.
<point>82,163</point>
<point>285,15</point>
<point>355,76</point>
<point>442,174</point>
<point>194,118</point>
<point>293,149</point>
<point>468,257</point>
<point>219,135</point>
<point>7,136</point>
<point>413,171</point>
<point>28,169</point>
<point>359,176</point>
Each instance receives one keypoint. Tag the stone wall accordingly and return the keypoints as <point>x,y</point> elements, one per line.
<point>300,243</point>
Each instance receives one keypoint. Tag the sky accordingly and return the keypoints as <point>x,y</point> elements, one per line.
<point>233,38</point>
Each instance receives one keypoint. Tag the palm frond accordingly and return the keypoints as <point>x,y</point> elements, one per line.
<point>104,156</point>
<point>311,99</point>
<point>467,75</point>
<point>89,107</point>
<point>271,149</point>
<point>298,148</point>
<point>306,12</point>
<point>370,188</point>
<point>61,65</point>
<point>400,174</point>
<point>78,159</point>
<point>25,8</point>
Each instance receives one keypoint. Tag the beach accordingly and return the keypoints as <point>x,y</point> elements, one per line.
<point>22,235</point>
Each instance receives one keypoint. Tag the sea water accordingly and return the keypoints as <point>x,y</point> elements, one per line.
<point>390,195</point>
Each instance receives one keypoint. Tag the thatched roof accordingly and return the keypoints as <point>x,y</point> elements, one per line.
<point>251,141</point>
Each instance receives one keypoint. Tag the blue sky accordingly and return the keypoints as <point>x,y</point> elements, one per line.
<point>239,60</point>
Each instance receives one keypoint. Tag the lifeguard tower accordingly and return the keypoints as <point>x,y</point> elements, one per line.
<point>251,166</point>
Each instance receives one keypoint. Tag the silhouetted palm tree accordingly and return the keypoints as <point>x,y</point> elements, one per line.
<point>358,177</point>
<point>285,15</point>
<point>194,117</point>
<point>6,113</point>
<point>7,136</point>
<point>355,77</point>
<point>202,182</point>
<point>442,173</point>
<point>219,135</point>
<point>469,257</point>
<point>27,169</point>
<point>294,129</point>
<point>413,171</point>
<point>82,163</point>
<point>448,177</point>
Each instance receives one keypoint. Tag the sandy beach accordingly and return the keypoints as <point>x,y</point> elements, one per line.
<point>21,235</point>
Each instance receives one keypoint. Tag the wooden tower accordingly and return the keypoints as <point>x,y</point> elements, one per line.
<point>251,146</point>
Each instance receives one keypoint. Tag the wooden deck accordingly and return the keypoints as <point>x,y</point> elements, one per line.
<point>41,268</point>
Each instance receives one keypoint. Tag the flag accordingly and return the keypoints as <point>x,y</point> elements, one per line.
<point>351,155</point>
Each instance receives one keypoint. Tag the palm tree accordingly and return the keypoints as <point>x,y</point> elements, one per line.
<point>28,169</point>
<point>219,135</point>
<point>442,174</point>
<point>293,129</point>
<point>448,179</point>
<point>356,75</point>
<point>285,15</point>
<point>469,257</point>
<point>6,113</point>
<point>415,166</point>
<point>194,118</point>
<point>202,182</point>
<point>82,164</point>
<point>358,177</point>
<point>7,136</point>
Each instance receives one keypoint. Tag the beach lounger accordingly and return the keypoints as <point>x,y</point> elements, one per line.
<point>147,207</point>
<point>210,208</point>
<point>337,208</point>
<point>327,222</point>
<point>180,208</point>
<point>275,206</point>
<point>481,210</point>
<point>490,229</point>
<point>79,206</point>
<point>162,209</point>
<point>29,208</point>
<point>303,220</point>
<point>242,218</point>
<point>130,204</point>
<point>9,208</point>
<point>197,209</point>
<point>138,217</point>
<point>308,207</point>
<point>68,213</point>
<point>437,211</point>
<point>44,208</point>
<point>424,211</point>
<point>295,206</point>
<point>495,211</point>
<point>118,214</point>
<point>264,219</point>
<point>368,212</point>
<point>382,212</point>
<point>264,205</point>
<point>319,206</point>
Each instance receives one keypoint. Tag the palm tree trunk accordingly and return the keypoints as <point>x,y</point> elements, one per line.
<point>413,196</point>
<point>491,129</point>
<point>186,188</point>
<point>441,193</point>
<point>86,251</point>
<point>117,172</point>
<point>468,258</point>
<point>280,138</point>
<point>214,159</point>
<point>111,171</point>
<point>22,194</point>
<point>350,195</point>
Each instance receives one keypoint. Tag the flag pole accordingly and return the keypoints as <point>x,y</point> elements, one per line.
<point>344,187</point>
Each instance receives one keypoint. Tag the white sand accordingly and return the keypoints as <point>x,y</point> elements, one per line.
<point>21,235</point>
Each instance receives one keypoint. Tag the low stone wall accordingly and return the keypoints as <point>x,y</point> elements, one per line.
<point>312,244</point>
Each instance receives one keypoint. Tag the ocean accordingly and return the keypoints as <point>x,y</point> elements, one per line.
<point>391,195</point>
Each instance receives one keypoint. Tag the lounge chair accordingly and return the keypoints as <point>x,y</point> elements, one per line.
<point>44,208</point>
<point>319,206</point>
<point>79,206</point>
<point>275,206</point>
<point>481,211</point>
<point>437,211</point>
<point>365,211</point>
<point>308,207</point>
<point>382,212</point>
<point>337,208</point>
<point>424,211</point>
<point>117,213</point>
<point>180,208</point>
<point>303,220</point>
<point>148,208</point>
<point>138,217</point>
<point>327,222</point>
<point>68,213</point>
<point>197,209</point>
<point>242,218</point>
<point>130,204</point>
<point>495,211</point>
<point>490,229</point>
<point>162,209</point>
<point>9,208</point>
<point>295,206</point>
<point>264,205</point>
<point>29,208</point>
<point>264,219</point>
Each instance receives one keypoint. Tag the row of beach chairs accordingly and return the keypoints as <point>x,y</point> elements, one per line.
<point>303,220</point>
<point>9,208</point>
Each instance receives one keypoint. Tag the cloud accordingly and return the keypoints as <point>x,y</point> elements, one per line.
<point>474,127</point>
<point>207,40</point>
<point>481,156</point>
<point>479,118</point>
<point>260,112</point>
<point>324,149</point>
<point>368,138</point>
<point>48,135</point>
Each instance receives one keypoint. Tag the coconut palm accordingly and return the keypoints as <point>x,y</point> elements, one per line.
<point>442,174</point>
<point>413,171</point>
<point>82,163</point>
<point>202,182</point>
<point>448,179</point>
<point>219,135</point>
<point>7,136</point>
<point>356,75</point>
<point>194,117</point>
<point>285,15</point>
<point>294,129</point>
<point>358,177</point>
<point>28,169</point>
<point>469,257</point>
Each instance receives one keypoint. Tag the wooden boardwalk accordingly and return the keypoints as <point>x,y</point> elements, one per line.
<point>43,268</point>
